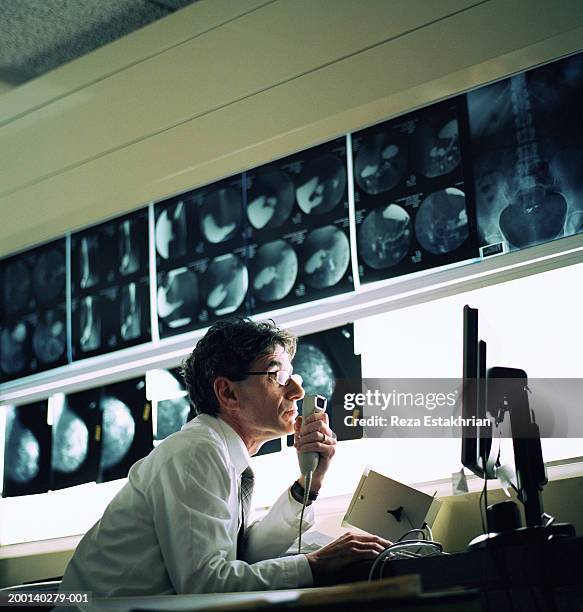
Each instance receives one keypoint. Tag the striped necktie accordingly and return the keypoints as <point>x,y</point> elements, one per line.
<point>247,481</point>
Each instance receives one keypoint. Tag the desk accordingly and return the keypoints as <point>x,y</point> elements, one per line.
<point>538,575</point>
<point>400,594</point>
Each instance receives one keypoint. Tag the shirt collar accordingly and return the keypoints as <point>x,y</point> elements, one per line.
<point>235,445</point>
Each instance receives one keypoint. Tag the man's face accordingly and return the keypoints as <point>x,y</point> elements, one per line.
<point>268,408</point>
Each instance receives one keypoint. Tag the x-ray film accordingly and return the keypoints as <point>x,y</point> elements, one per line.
<point>27,450</point>
<point>33,321</point>
<point>526,134</point>
<point>328,366</point>
<point>110,286</point>
<point>126,422</point>
<point>297,228</point>
<point>413,208</point>
<point>201,257</point>
<point>77,426</point>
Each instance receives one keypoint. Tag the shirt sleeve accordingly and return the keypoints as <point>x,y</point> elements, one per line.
<point>276,531</point>
<point>192,510</point>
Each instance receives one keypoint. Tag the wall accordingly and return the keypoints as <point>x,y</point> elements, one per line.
<point>223,86</point>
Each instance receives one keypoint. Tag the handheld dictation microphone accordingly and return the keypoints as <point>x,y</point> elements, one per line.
<point>309,460</point>
<point>312,403</point>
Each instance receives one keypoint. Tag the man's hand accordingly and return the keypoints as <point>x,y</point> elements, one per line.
<point>342,552</point>
<point>317,436</point>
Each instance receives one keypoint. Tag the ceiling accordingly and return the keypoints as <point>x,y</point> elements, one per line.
<point>39,35</point>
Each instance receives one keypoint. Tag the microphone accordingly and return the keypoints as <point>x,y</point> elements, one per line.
<point>312,403</point>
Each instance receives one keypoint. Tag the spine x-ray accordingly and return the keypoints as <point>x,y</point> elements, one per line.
<point>526,148</point>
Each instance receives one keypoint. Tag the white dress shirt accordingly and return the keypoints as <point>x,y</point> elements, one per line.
<point>173,527</point>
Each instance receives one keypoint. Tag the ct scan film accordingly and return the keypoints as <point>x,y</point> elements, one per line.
<point>33,317</point>
<point>110,286</point>
<point>166,391</point>
<point>77,426</point>
<point>200,257</point>
<point>526,136</point>
<point>414,209</point>
<point>126,433</point>
<point>328,366</point>
<point>27,450</point>
<point>297,228</point>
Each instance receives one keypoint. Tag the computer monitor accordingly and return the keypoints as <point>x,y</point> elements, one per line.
<point>476,440</point>
<point>492,393</point>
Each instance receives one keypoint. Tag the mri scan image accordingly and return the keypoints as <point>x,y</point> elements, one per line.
<point>171,417</point>
<point>27,450</point>
<point>439,147</point>
<point>221,214</point>
<point>126,428</point>
<point>49,340</point>
<point>15,349</point>
<point>118,431</point>
<point>170,403</point>
<point>76,439</point>
<point>16,287</point>
<point>72,442</point>
<point>129,252</point>
<point>271,199</point>
<point>48,276</point>
<point>88,261</point>
<point>385,236</point>
<point>131,312</point>
<point>441,224</point>
<point>274,271</point>
<point>329,367</point>
<point>90,324</point>
<point>326,257</point>
<point>227,280</point>
<point>178,298</point>
<point>321,185</point>
<point>316,370</point>
<point>381,161</point>
<point>171,232</point>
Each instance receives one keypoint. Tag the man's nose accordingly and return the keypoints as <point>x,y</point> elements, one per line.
<point>294,388</point>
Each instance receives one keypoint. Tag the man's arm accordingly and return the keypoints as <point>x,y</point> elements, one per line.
<point>192,507</point>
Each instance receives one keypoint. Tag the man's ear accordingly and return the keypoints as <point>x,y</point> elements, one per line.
<point>226,393</point>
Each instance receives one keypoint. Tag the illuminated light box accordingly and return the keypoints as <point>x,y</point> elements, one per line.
<point>33,320</point>
<point>76,433</point>
<point>200,257</point>
<point>126,433</point>
<point>297,228</point>
<point>526,134</point>
<point>110,286</point>
<point>27,450</point>
<point>414,209</point>
<point>328,366</point>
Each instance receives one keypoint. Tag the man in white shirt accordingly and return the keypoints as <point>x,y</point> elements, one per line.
<point>177,526</point>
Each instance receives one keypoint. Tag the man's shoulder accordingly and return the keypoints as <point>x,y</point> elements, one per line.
<point>193,446</point>
<point>198,437</point>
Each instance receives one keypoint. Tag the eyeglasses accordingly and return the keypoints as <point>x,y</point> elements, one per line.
<point>282,377</point>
